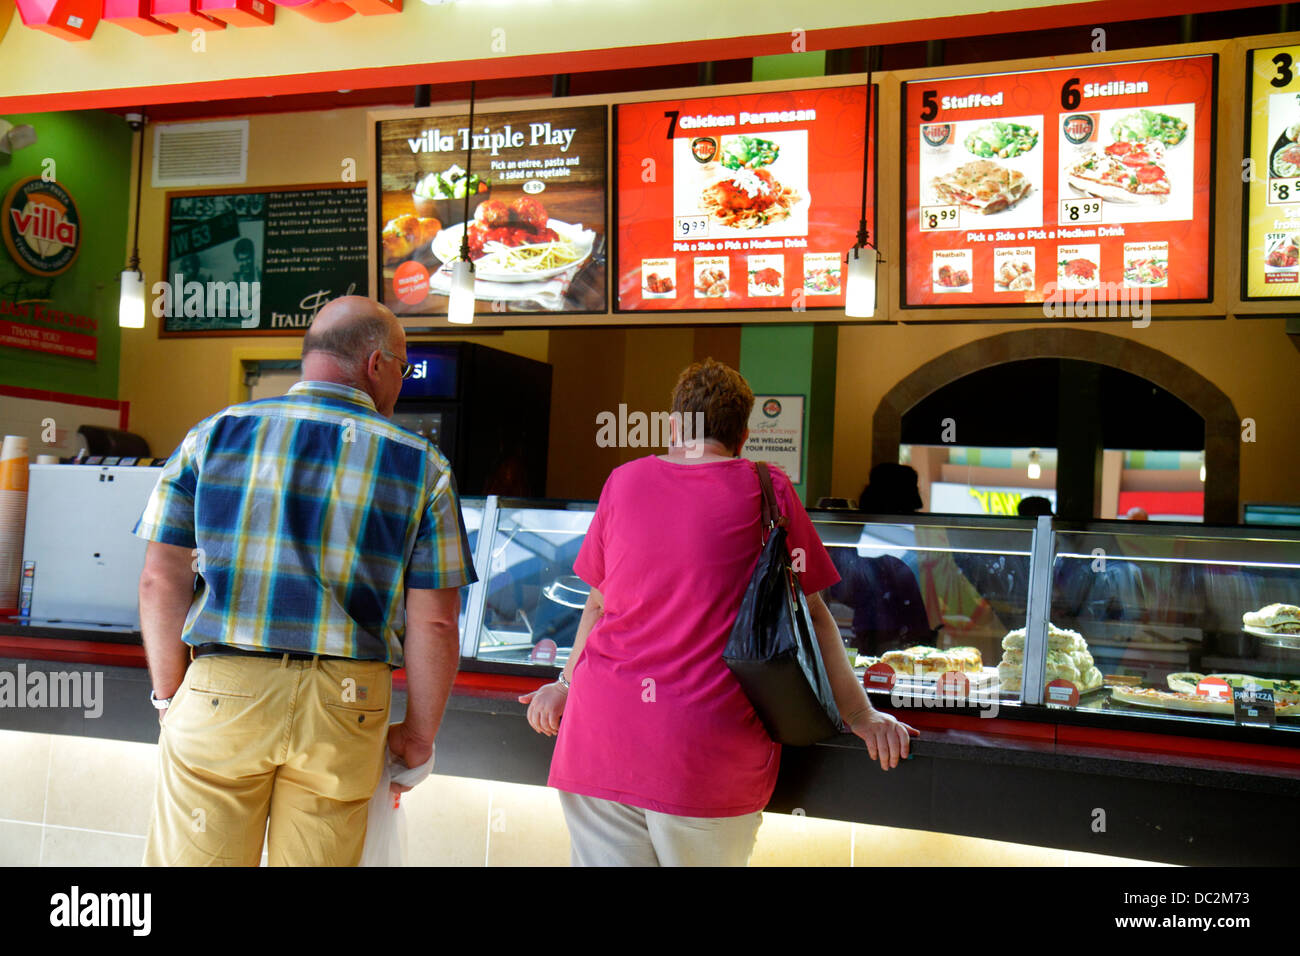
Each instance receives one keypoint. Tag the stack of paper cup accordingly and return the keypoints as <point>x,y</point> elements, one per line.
<point>13,517</point>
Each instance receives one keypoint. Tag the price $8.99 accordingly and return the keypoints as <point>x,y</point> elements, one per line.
<point>1080,210</point>
<point>939,217</point>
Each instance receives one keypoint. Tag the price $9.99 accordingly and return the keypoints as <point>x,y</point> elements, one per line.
<point>691,227</point>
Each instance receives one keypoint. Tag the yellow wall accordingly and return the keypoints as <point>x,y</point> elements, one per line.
<point>1251,360</point>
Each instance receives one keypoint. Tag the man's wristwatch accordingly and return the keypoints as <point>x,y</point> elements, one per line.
<point>159,704</point>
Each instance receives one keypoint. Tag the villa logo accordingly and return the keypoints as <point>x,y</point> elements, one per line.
<point>1078,128</point>
<point>772,408</point>
<point>936,134</point>
<point>42,229</point>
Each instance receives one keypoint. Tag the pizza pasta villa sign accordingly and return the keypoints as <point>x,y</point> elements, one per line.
<point>41,226</point>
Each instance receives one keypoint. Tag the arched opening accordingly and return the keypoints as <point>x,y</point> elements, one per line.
<point>1165,398</point>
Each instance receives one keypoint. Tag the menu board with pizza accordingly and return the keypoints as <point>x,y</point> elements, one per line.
<point>1088,182</point>
<point>748,201</point>
<point>1272,240</point>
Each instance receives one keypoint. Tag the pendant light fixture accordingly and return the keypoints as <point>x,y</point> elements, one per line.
<point>460,306</point>
<point>130,305</point>
<point>1035,470</point>
<point>860,278</point>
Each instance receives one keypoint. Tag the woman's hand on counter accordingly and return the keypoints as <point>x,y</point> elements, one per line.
<point>888,739</point>
<point>545,707</point>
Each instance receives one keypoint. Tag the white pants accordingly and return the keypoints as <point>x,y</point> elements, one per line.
<point>605,833</point>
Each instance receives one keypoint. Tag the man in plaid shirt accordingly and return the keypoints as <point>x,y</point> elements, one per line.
<point>300,548</point>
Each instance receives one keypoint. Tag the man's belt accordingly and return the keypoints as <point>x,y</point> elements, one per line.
<point>204,649</point>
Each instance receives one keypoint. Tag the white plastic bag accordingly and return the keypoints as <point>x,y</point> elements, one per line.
<point>386,820</point>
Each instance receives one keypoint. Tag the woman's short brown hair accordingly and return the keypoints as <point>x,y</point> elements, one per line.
<point>721,394</point>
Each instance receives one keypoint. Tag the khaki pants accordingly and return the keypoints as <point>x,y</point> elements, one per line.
<point>605,833</point>
<point>248,737</point>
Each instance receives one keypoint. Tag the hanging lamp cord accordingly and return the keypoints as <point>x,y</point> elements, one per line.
<point>863,236</point>
<point>139,188</point>
<point>469,156</point>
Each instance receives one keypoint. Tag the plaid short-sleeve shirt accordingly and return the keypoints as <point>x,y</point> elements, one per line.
<point>309,516</point>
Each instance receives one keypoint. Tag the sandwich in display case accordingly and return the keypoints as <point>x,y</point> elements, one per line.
<point>1156,627</point>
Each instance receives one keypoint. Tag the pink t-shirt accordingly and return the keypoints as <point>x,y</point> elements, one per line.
<point>655,719</point>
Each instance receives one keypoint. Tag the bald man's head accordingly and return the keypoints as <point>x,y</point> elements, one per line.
<point>349,329</point>
<point>347,343</point>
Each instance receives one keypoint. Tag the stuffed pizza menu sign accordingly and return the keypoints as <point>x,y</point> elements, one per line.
<point>747,201</point>
<point>531,206</point>
<point>1086,181</point>
<point>1272,245</point>
<point>42,233</point>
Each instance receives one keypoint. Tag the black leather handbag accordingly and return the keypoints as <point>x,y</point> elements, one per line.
<point>773,648</point>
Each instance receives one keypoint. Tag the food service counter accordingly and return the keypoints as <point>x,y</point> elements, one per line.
<point>1092,771</point>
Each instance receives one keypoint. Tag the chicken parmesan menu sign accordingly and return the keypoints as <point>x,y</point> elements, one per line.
<point>536,224</point>
<point>747,201</point>
<point>1091,183</point>
<point>1272,246</point>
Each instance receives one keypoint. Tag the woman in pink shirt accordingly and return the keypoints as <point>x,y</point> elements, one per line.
<point>661,759</point>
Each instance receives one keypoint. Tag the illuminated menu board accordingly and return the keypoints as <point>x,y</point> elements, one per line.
<point>536,223</point>
<point>1272,241</point>
<point>1091,183</point>
<point>747,201</point>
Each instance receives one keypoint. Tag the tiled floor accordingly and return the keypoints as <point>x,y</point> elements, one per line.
<point>76,801</point>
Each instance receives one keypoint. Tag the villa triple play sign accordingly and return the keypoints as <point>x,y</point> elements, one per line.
<point>77,19</point>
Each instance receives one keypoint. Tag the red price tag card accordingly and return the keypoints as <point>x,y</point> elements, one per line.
<point>879,677</point>
<point>1078,188</point>
<point>952,685</point>
<point>1215,687</point>
<point>544,651</point>
<point>739,202</point>
<point>1061,693</point>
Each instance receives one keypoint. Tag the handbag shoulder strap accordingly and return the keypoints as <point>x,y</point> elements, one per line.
<point>770,513</point>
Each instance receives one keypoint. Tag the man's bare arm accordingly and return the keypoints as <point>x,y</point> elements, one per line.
<point>432,651</point>
<point>166,590</point>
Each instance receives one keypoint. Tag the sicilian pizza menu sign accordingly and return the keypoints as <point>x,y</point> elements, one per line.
<point>1091,183</point>
<point>739,202</point>
<point>1272,242</point>
<point>536,199</point>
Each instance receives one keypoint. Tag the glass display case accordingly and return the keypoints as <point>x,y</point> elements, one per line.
<point>1184,623</point>
<point>525,609</point>
<point>1181,629</point>
<point>922,596</point>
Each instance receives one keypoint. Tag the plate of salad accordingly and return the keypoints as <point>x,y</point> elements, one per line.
<point>1146,125</point>
<point>748,152</point>
<point>1002,140</point>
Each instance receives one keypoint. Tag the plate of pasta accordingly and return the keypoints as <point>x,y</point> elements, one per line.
<point>518,243</point>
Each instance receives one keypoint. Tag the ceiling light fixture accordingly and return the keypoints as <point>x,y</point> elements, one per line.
<point>860,278</point>
<point>130,305</point>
